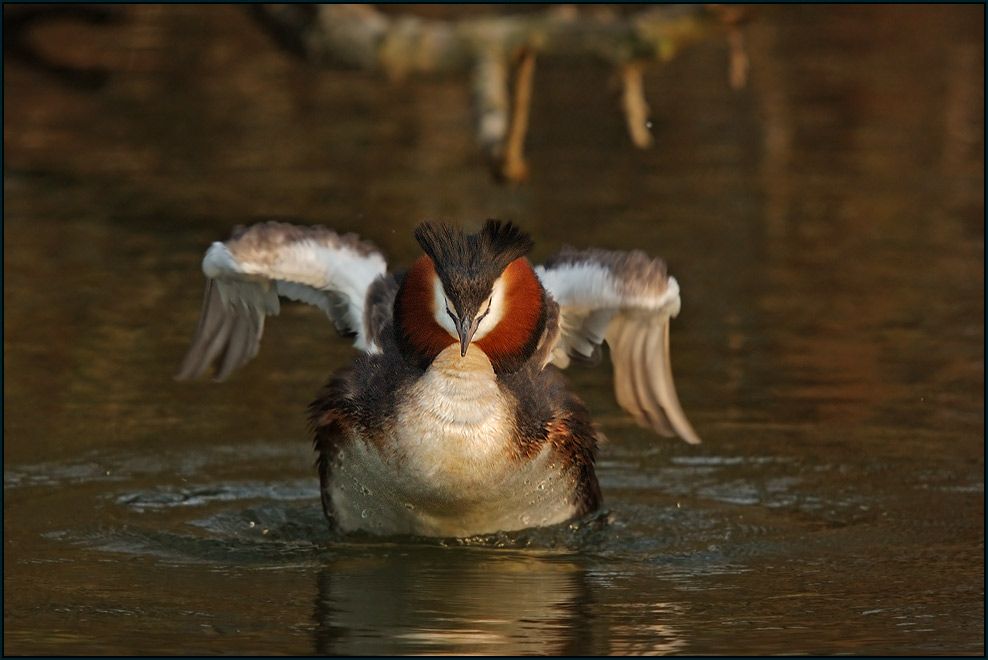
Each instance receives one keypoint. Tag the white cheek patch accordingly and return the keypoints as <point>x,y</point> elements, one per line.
<point>495,312</point>
<point>439,306</point>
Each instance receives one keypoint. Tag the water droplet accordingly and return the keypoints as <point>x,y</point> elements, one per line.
<point>648,125</point>
<point>365,513</point>
<point>541,485</point>
<point>525,519</point>
<point>252,523</point>
<point>409,506</point>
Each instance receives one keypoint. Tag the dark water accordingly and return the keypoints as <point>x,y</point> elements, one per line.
<point>826,225</point>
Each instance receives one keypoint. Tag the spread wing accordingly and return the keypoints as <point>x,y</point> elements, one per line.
<point>627,299</point>
<point>246,275</point>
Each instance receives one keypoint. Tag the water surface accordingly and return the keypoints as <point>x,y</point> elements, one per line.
<point>826,225</point>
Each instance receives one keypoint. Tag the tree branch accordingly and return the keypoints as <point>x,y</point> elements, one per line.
<point>634,105</point>
<point>363,37</point>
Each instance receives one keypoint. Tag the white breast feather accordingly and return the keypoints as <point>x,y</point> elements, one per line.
<point>449,469</point>
<point>455,421</point>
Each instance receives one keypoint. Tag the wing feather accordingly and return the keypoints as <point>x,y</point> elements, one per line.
<point>627,299</point>
<point>246,274</point>
<point>624,387</point>
<point>645,398</point>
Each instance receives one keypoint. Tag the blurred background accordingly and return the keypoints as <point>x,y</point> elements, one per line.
<point>825,223</point>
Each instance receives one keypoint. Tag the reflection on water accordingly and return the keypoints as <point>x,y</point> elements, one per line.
<point>531,605</point>
<point>827,227</point>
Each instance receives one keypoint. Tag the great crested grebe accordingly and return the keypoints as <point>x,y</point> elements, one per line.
<point>454,421</point>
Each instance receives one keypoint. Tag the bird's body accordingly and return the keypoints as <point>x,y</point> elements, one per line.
<point>452,457</point>
<point>454,421</point>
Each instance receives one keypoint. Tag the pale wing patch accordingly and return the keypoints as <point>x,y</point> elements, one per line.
<point>247,274</point>
<point>627,299</point>
<point>335,278</point>
<point>587,299</point>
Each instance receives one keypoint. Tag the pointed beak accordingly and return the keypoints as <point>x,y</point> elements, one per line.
<point>465,328</point>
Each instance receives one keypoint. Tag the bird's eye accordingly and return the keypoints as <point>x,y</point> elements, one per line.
<point>486,311</point>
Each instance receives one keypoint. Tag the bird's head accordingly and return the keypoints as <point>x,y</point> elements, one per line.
<point>471,289</point>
